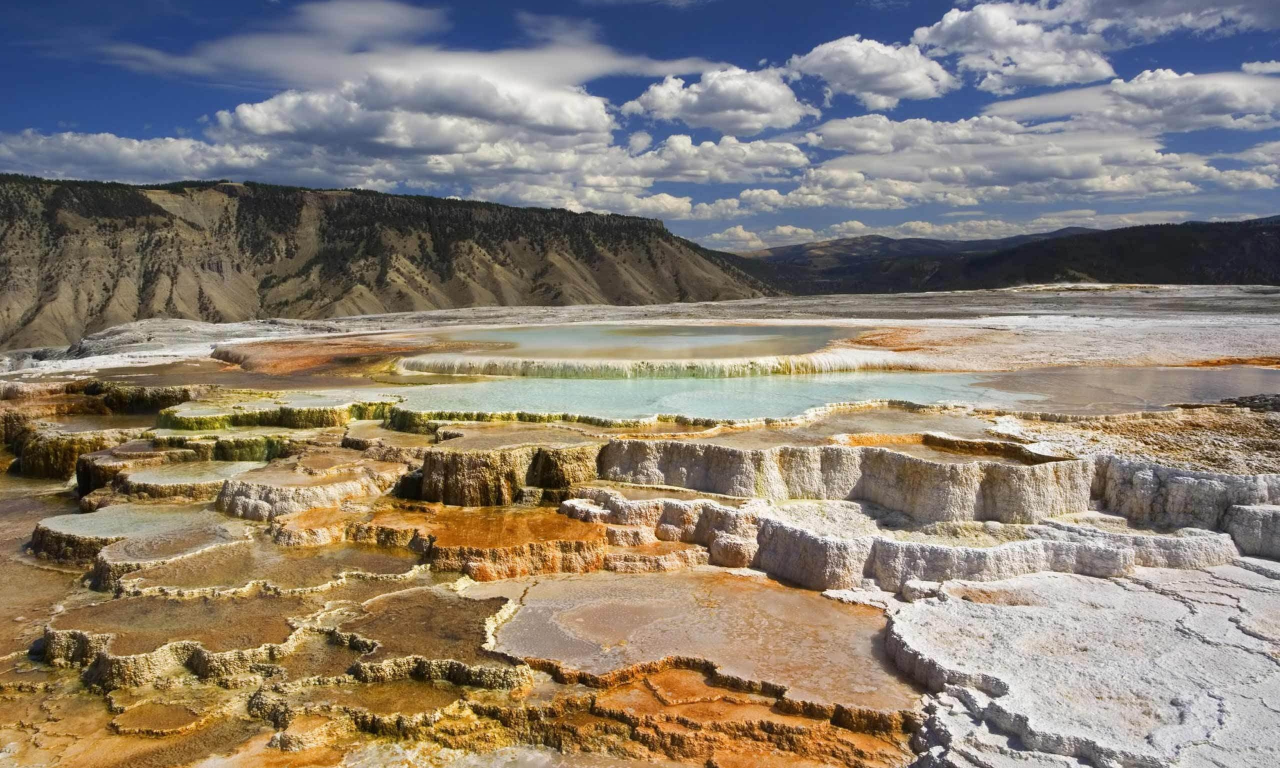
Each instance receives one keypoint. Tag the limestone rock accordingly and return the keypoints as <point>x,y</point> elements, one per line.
<point>309,482</point>
<point>1176,668</point>
<point>1255,529</point>
<point>926,490</point>
<point>1164,497</point>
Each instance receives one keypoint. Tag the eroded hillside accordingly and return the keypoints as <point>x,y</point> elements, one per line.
<point>77,257</point>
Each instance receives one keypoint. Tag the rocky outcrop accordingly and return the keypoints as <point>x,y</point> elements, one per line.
<point>380,444</point>
<point>196,481</point>
<point>46,451</point>
<point>451,670</point>
<point>102,668</point>
<point>603,505</point>
<point>233,447</point>
<point>811,559</point>
<point>1158,496</point>
<point>118,539</point>
<point>486,478</point>
<point>926,490</point>
<point>822,550</point>
<point>427,422</point>
<point>1255,529</point>
<point>296,485</point>
<point>119,398</point>
<point>1187,548</point>
<point>728,534</point>
<point>266,501</point>
<point>31,390</point>
<point>894,563</point>
<point>823,562</point>
<point>52,541</point>
<point>99,469</point>
<point>268,414</point>
<point>120,558</point>
<point>657,558</point>
<point>27,405</point>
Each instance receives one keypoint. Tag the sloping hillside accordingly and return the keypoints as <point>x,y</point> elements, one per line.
<point>76,257</point>
<point>1193,253</point>
<point>833,253</point>
<point>1241,253</point>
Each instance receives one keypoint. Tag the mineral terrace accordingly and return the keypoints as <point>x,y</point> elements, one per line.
<point>1006,529</point>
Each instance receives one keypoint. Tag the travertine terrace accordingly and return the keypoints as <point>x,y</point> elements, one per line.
<point>792,533</point>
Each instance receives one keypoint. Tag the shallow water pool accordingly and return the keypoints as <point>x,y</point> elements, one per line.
<point>649,342</point>
<point>1066,390</point>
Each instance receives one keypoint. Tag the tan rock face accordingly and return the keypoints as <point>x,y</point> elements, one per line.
<point>507,542</point>
<point>478,478</point>
<point>1168,497</point>
<point>1255,529</point>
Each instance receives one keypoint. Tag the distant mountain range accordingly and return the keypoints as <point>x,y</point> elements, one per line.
<point>1245,252</point>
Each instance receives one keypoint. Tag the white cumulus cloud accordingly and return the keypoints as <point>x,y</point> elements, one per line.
<point>1159,101</point>
<point>879,75</point>
<point>731,101</point>
<point>1008,52</point>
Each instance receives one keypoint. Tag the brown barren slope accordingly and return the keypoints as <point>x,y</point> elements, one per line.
<point>78,257</point>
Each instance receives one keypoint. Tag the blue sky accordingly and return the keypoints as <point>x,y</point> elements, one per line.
<point>740,123</point>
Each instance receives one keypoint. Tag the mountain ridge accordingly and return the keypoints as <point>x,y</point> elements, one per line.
<point>77,257</point>
<point>1211,253</point>
<point>918,244</point>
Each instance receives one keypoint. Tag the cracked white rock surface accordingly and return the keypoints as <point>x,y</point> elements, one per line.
<point>1163,668</point>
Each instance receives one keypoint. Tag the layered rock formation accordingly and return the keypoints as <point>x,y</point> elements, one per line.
<point>833,360</point>
<point>1255,529</point>
<point>842,545</point>
<point>266,413</point>
<point>47,451</point>
<point>1163,496</point>
<point>309,482</point>
<point>927,490</point>
<point>510,542</point>
<point>319,607</point>
<point>495,477</point>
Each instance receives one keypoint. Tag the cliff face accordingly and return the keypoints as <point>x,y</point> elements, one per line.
<point>77,257</point>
